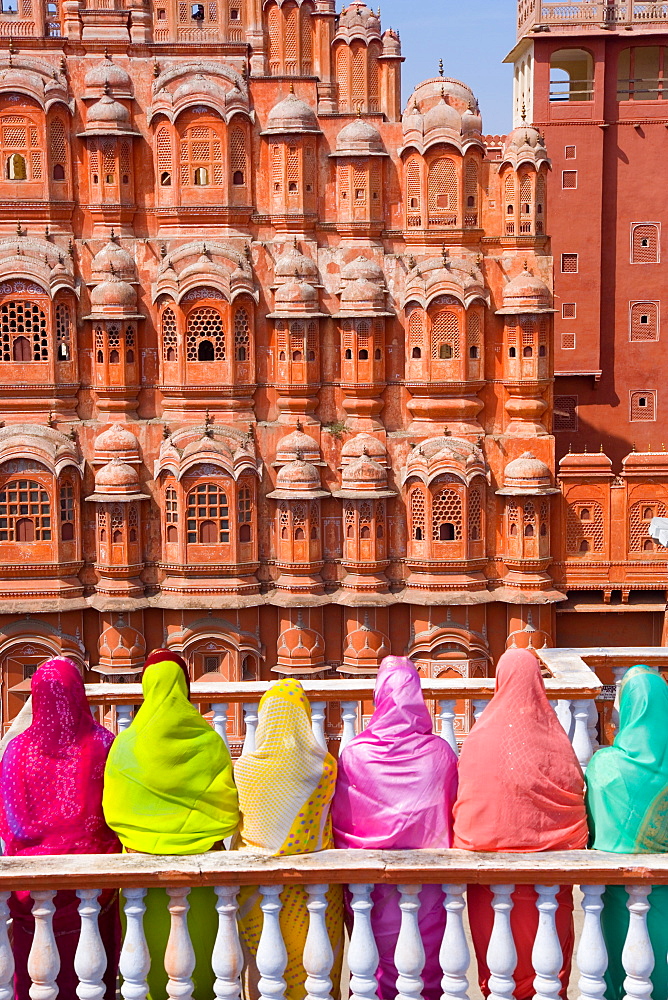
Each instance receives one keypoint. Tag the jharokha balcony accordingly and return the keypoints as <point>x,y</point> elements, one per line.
<point>585,709</point>
<point>537,15</point>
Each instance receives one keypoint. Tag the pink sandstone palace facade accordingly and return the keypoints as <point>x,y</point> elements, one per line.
<point>277,359</point>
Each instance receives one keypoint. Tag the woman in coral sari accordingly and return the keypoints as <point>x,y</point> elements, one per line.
<point>520,789</point>
<point>395,790</point>
<point>627,803</point>
<point>285,789</point>
<point>168,789</point>
<point>51,789</point>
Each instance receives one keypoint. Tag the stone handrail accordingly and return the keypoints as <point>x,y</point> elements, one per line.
<point>532,14</point>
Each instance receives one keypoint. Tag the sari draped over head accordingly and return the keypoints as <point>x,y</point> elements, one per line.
<point>51,778</point>
<point>395,790</point>
<point>285,789</point>
<point>169,790</point>
<point>520,789</point>
<point>168,786</point>
<point>627,805</point>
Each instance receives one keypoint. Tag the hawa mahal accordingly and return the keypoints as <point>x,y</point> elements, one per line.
<point>278,354</point>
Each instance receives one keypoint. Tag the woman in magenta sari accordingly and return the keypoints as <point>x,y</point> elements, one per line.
<point>396,787</point>
<point>51,803</point>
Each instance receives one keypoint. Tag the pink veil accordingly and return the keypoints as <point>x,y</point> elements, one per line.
<point>51,775</point>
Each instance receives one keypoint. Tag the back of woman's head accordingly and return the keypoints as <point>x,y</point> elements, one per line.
<point>168,656</point>
<point>59,705</point>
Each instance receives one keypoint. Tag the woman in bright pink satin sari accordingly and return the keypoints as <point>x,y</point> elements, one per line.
<point>51,803</point>
<point>395,789</point>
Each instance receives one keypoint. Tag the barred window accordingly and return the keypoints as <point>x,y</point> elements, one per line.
<point>205,337</point>
<point>245,513</point>
<point>24,331</point>
<point>171,514</point>
<point>208,515</point>
<point>63,332</point>
<point>67,512</point>
<point>25,512</point>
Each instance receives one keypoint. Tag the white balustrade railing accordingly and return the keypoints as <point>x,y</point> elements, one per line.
<point>227,872</point>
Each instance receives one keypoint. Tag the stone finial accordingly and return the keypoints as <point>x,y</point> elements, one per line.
<point>440,67</point>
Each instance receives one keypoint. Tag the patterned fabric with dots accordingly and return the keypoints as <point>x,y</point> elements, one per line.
<point>285,789</point>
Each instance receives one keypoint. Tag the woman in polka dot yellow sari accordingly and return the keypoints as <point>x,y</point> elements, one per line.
<point>285,789</point>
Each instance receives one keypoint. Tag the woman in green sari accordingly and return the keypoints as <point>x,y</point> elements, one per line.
<point>169,789</point>
<point>627,805</point>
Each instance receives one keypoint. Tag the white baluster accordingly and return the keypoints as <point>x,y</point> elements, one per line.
<point>227,960</point>
<point>592,725</point>
<point>581,740</point>
<point>501,953</point>
<point>447,717</point>
<point>362,952</point>
<point>349,721</point>
<point>179,954</point>
<point>43,960</point>
<point>409,954</point>
<point>564,711</point>
<point>219,720</point>
<point>250,719</point>
<point>592,954</point>
<point>547,956</point>
<point>479,706</point>
<point>318,722</point>
<point>124,716</point>
<point>637,954</point>
<point>135,958</point>
<point>455,956</point>
<point>619,673</point>
<point>271,957</point>
<point>6,954</point>
<point>318,954</point>
<point>90,960</point>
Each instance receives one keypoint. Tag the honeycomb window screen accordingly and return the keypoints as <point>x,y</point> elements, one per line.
<point>24,331</point>
<point>238,165</point>
<point>442,186</point>
<point>418,514</point>
<point>568,341</point>
<point>413,187</point>
<point>416,333</point>
<point>208,515</point>
<point>644,321</point>
<point>205,336</point>
<point>569,263</point>
<point>241,335</point>
<point>201,157</point>
<point>569,310</point>
<point>58,149</point>
<point>445,336</point>
<point>63,332</point>
<point>645,244</point>
<point>643,405</point>
<point>584,528</point>
<point>25,512</point>
<point>475,515</point>
<point>170,348</point>
<point>565,413</point>
<point>569,179</point>
<point>446,516</point>
<point>570,152</point>
<point>640,516</point>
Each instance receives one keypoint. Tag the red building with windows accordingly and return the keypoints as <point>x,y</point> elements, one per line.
<point>277,355</point>
<point>592,78</point>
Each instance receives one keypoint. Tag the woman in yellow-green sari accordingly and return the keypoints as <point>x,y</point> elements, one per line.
<point>285,789</point>
<point>168,789</point>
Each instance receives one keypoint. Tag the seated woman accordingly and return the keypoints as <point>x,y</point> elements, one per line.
<point>51,803</point>
<point>168,789</point>
<point>627,804</point>
<point>395,790</point>
<point>285,789</point>
<point>520,789</point>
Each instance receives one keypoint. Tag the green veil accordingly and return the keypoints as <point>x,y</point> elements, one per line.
<point>627,807</point>
<point>168,784</point>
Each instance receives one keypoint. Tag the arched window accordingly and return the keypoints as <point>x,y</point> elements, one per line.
<point>24,331</point>
<point>63,332</point>
<point>67,512</point>
<point>205,337</point>
<point>169,335</point>
<point>571,75</point>
<point>445,339</point>
<point>244,513</point>
<point>208,515</point>
<point>164,156</point>
<point>442,191</point>
<point>241,335</point>
<point>25,512</point>
<point>446,510</point>
<point>418,514</point>
<point>413,192</point>
<point>238,165</point>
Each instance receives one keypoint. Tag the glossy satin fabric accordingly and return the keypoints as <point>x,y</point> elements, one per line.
<point>627,804</point>
<point>520,789</point>
<point>51,803</point>
<point>169,790</point>
<point>285,789</point>
<point>395,789</point>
